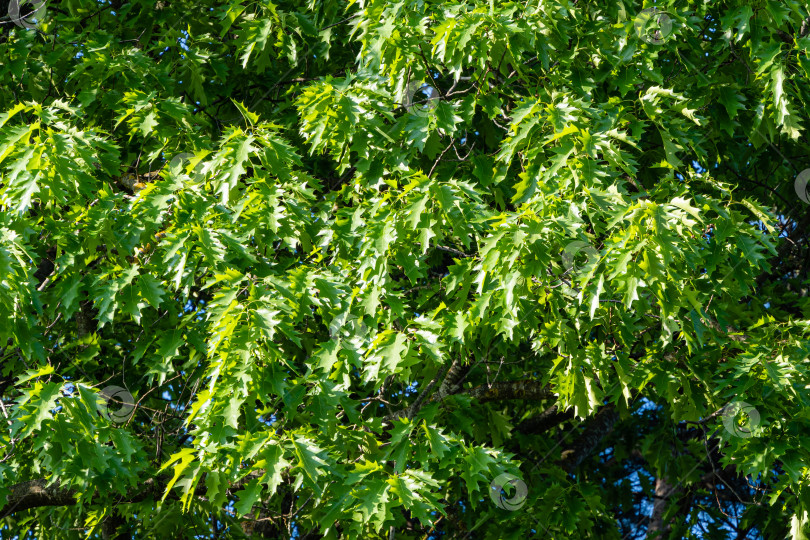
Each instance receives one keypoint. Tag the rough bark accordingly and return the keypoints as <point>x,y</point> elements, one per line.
<point>528,389</point>
<point>115,528</point>
<point>36,493</point>
<point>450,383</point>
<point>596,429</point>
<point>663,492</point>
<point>544,421</point>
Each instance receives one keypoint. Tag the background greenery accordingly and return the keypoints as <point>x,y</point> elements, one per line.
<point>351,308</point>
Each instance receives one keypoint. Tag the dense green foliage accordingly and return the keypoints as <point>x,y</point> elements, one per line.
<point>335,269</point>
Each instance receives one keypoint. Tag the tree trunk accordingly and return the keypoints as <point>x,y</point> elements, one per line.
<point>663,491</point>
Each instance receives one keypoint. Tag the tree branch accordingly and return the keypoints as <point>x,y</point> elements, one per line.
<point>37,493</point>
<point>544,421</point>
<point>450,382</point>
<point>528,389</point>
<point>663,491</point>
<point>596,430</point>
